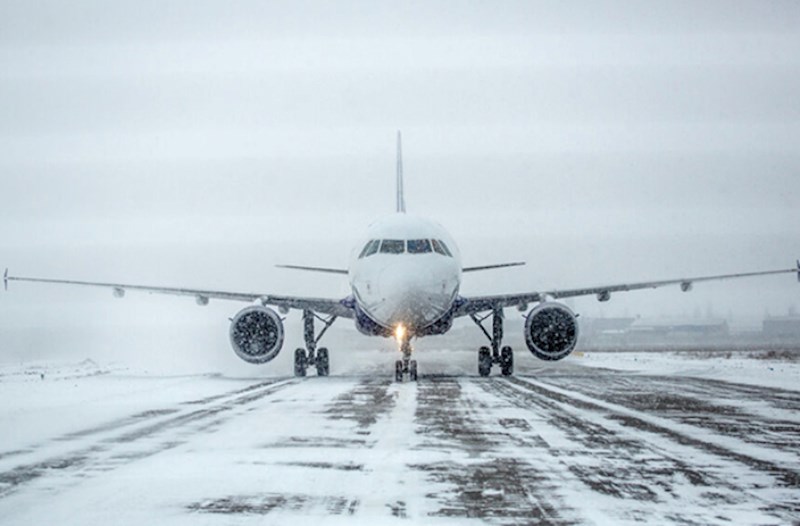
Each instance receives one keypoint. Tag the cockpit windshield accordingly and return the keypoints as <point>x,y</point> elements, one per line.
<point>441,248</point>
<point>393,246</point>
<point>370,248</point>
<point>373,247</point>
<point>401,246</point>
<point>419,246</point>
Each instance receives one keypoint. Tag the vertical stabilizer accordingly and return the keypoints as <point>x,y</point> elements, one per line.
<point>401,200</point>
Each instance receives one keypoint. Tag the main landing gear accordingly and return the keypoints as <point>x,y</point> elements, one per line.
<point>406,365</point>
<point>487,356</point>
<point>311,356</point>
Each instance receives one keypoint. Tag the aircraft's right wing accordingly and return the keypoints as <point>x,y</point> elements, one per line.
<point>321,305</point>
<point>326,270</point>
<point>475,304</point>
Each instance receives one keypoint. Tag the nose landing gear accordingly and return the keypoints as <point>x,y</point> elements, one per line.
<point>488,357</point>
<point>401,367</point>
<point>406,365</point>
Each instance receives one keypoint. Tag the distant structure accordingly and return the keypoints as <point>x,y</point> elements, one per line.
<point>616,332</point>
<point>681,327</point>
<point>594,328</point>
<point>782,327</point>
<point>679,332</point>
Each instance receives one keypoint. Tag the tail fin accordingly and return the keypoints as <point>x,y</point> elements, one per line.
<point>401,200</point>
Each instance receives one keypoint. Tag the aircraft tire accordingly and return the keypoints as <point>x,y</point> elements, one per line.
<point>300,362</point>
<point>507,361</point>
<point>412,370</point>
<point>323,362</point>
<point>484,361</point>
<point>398,370</point>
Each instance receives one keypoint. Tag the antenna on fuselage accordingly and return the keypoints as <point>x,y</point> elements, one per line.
<point>401,200</point>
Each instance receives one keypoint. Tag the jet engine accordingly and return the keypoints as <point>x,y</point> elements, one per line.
<point>551,331</point>
<point>256,334</point>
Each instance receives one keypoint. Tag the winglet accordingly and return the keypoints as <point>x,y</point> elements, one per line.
<point>5,279</point>
<point>401,200</point>
<point>798,270</point>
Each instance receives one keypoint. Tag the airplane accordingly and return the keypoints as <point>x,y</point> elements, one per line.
<point>405,279</point>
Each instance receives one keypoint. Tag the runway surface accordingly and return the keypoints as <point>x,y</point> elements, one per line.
<point>561,445</point>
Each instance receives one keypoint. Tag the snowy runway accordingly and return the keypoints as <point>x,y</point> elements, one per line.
<point>566,444</point>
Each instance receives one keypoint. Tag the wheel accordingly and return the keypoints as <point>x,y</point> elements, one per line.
<point>323,362</point>
<point>507,361</point>
<point>484,361</point>
<point>412,370</point>
<point>300,362</point>
<point>398,370</point>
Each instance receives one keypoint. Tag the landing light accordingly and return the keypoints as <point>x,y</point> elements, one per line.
<point>400,333</point>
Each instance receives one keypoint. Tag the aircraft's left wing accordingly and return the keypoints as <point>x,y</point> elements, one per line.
<point>475,304</point>
<point>321,305</point>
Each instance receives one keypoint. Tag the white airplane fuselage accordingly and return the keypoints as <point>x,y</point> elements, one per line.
<point>410,277</point>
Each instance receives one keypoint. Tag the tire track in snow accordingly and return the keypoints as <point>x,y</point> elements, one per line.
<point>365,404</point>
<point>127,421</point>
<point>635,457</point>
<point>726,446</point>
<point>111,450</point>
<point>758,415</point>
<point>482,476</point>
<point>364,414</point>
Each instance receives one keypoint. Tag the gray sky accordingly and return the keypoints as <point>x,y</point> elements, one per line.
<point>198,143</point>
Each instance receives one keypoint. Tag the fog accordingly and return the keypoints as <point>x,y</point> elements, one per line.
<point>199,143</point>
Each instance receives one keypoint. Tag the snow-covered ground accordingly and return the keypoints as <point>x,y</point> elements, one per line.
<point>600,438</point>
<point>746,367</point>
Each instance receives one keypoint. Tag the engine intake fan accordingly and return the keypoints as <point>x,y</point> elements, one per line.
<point>551,331</point>
<point>256,334</point>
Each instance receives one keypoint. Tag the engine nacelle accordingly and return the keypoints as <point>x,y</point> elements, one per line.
<point>256,334</point>
<point>551,331</point>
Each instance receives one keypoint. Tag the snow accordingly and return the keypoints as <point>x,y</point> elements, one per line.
<point>740,367</point>
<point>573,442</point>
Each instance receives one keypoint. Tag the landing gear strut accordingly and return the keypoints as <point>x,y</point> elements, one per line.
<point>311,356</point>
<point>487,357</point>
<point>406,365</point>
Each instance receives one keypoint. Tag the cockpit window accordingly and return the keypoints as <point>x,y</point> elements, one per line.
<point>441,248</point>
<point>446,250</point>
<point>393,246</point>
<point>370,248</point>
<point>364,250</point>
<point>373,247</point>
<point>419,246</point>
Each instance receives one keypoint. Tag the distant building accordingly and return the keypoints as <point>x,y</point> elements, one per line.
<point>681,327</point>
<point>685,331</point>
<point>600,327</point>
<point>782,327</point>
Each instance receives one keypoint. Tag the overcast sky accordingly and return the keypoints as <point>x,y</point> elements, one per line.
<point>198,143</point>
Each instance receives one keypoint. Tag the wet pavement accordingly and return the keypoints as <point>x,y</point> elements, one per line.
<point>564,445</point>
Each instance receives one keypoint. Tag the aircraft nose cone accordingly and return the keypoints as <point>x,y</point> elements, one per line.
<point>394,283</point>
<point>413,297</point>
